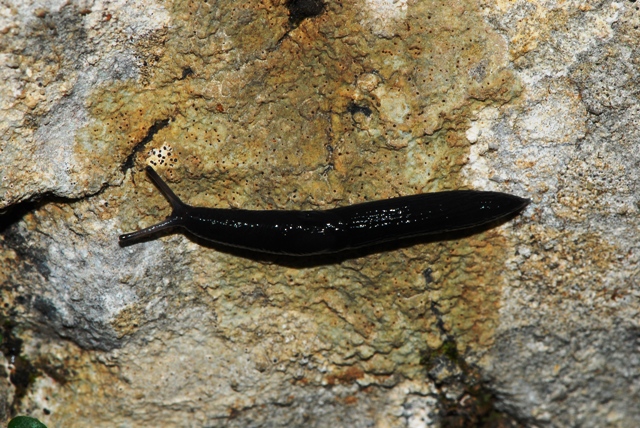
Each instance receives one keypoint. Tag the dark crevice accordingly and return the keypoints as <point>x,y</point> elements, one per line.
<point>354,108</point>
<point>476,406</point>
<point>186,72</point>
<point>299,10</point>
<point>303,9</point>
<point>22,372</point>
<point>14,213</point>
<point>35,259</point>
<point>153,130</point>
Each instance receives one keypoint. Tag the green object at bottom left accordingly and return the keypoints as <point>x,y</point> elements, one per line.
<point>25,422</point>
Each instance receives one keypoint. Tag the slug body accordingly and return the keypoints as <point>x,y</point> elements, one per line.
<point>305,233</point>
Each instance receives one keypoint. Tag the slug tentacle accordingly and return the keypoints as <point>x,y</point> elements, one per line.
<point>129,238</point>
<point>174,220</point>
<point>178,206</point>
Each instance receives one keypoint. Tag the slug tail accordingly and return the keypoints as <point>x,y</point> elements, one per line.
<point>175,219</point>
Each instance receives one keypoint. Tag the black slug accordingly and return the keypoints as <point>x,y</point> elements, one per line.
<point>304,233</point>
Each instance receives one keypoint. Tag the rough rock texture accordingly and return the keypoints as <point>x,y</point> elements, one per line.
<point>569,334</point>
<point>306,104</point>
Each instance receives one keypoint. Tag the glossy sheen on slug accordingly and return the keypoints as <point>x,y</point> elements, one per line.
<point>304,233</point>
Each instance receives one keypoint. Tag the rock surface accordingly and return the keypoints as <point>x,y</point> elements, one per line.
<point>305,104</point>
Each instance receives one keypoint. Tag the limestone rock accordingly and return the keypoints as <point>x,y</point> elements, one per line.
<point>311,105</point>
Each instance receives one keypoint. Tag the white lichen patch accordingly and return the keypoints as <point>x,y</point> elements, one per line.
<point>393,104</point>
<point>162,156</point>
<point>481,136</point>
<point>139,19</point>
<point>556,118</point>
<point>382,16</point>
<point>387,9</point>
<point>368,82</point>
<point>44,387</point>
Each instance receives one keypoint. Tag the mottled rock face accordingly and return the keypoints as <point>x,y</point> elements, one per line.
<point>311,105</point>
